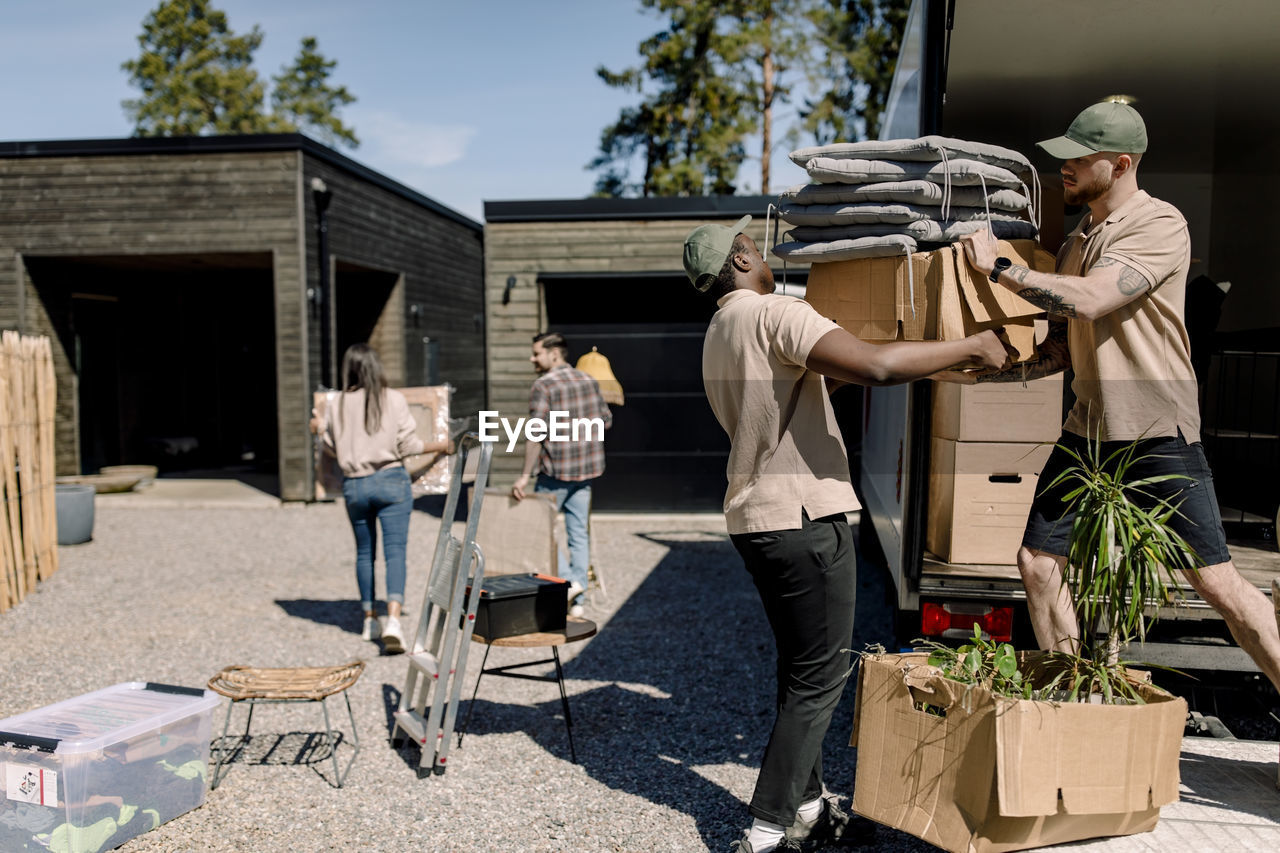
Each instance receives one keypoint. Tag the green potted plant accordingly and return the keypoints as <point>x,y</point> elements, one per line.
<point>1122,562</point>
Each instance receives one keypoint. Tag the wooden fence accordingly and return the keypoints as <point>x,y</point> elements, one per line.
<point>28,512</point>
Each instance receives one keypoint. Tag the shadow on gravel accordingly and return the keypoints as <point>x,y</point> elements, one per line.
<point>307,749</point>
<point>344,613</point>
<point>689,665</point>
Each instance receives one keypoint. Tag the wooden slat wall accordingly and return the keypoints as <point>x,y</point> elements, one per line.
<point>528,249</point>
<point>28,513</point>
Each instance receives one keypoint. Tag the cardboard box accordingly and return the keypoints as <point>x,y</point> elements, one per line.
<point>979,495</point>
<point>999,411</point>
<point>92,772</point>
<point>521,604</point>
<point>938,296</point>
<point>429,473</point>
<point>983,773</point>
<point>975,303</point>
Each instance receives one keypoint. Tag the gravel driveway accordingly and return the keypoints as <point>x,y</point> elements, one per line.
<point>670,701</point>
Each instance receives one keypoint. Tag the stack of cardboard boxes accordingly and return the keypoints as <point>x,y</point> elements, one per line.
<point>989,445</point>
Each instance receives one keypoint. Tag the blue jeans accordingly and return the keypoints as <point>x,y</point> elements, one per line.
<point>385,497</point>
<point>573,498</point>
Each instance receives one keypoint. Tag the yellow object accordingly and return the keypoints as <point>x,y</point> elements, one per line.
<point>597,367</point>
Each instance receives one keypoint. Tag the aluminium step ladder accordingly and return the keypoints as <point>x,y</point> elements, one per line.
<point>438,652</point>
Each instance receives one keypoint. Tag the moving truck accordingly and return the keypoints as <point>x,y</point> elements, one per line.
<point>1204,75</point>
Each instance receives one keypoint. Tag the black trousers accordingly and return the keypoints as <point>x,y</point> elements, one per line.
<point>807,580</point>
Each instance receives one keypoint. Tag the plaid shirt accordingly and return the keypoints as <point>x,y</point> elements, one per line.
<point>567,389</point>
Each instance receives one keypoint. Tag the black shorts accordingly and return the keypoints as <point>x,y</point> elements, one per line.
<point>1198,520</point>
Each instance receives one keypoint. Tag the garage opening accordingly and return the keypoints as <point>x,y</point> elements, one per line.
<point>666,451</point>
<point>370,309</point>
<point>168,360</point>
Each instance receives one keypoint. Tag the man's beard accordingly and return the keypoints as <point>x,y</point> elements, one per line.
<point>1088,193</point>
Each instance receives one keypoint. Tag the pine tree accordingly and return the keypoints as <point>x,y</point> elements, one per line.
<point>772,36</point>
<point>690,128</point>
<point>303,98</point>
<point>857,44</point>
<point>196,76</point>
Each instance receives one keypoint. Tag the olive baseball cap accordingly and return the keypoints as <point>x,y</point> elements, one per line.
<point>707,248</point>
<point>1106,126</point>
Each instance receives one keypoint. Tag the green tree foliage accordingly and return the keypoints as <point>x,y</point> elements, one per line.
<point>689,129</point>
<point>713,77</point>
<point>196,77</point>
<point>856,50</point>
<point>304,99</point>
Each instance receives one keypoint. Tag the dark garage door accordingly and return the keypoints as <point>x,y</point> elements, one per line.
<point>665,452</point>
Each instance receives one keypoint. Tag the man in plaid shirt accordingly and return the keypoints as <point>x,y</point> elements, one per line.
<point>566,468</point>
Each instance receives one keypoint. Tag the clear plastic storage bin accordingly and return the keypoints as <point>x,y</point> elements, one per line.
<point>89,773</point>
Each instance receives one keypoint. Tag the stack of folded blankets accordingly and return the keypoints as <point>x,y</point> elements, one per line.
<point>894,197</point>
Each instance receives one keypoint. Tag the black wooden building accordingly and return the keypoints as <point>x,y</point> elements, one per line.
<point>198,290</point>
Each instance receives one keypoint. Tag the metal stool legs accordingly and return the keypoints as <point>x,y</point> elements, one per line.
<point>508,671</point>
<point>331,737</point>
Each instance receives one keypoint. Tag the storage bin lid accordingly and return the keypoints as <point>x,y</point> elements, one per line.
<point>96,720</point>
<point>497,587</point>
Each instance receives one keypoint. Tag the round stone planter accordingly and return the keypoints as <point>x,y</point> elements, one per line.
<point>75,513</point>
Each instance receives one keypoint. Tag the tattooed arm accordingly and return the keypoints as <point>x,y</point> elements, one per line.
<point>1108,285</point>
<point>1055,357</point>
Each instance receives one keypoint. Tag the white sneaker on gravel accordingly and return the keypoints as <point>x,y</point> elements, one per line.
<point>575,599</point>
<point>392,636</point>
<point>372,628</point>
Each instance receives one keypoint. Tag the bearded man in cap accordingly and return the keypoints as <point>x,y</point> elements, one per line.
<point>1116,317</point>
<point>763,366</point>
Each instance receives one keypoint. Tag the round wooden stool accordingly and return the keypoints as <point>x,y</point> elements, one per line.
<point>256,685</point>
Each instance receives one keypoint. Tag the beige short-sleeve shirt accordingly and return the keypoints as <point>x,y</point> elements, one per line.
<point>787,455</point>
<point>1133,374</point>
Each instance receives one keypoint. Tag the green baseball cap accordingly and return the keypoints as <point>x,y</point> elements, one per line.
<point>1106,126</point>
<point>707,248</point>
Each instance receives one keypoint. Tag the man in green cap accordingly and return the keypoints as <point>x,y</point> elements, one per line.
<point>1116,317</point>
<point>763,363</point>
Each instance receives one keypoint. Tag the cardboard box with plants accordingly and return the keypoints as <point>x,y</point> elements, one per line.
<point>979,748</point>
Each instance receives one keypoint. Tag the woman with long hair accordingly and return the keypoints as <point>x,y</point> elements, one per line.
<point>371,430</point>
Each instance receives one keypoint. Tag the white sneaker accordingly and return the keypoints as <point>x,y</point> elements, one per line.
<point>372,628</point>
<point>392,636</point>
<point>575,599</point>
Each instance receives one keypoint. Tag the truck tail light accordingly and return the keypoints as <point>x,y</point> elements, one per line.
<point>956,620</point>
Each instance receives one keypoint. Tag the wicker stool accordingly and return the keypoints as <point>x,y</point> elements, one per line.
<point>293,684</point>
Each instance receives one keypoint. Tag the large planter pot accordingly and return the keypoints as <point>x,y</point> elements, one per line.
<point>972,772</point>
<point>75,513</point>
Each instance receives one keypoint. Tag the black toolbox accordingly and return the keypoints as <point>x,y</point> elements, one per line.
<point>521,604</point>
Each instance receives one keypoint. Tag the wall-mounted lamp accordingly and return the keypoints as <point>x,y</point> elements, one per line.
<point>314,298</point>
<point>506,293</point>
<point>415,311</point>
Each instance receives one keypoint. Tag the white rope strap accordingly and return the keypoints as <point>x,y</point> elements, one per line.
<point>777,226</point>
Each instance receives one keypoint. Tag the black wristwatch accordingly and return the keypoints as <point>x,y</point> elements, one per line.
<point>1002,264</point>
